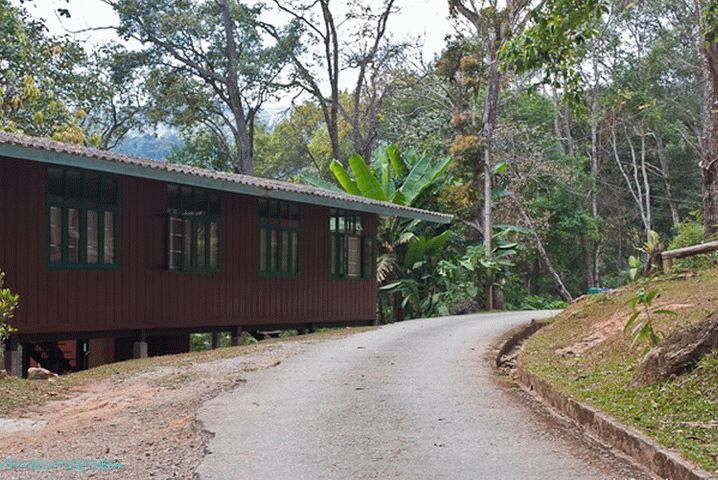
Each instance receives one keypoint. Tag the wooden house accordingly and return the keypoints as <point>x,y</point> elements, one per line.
<point>117,257</point>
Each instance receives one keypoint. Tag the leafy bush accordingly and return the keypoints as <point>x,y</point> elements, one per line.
<point>691,232</point>
<point>537,302</point>
<point>8,303</point>
<point>200,342</point>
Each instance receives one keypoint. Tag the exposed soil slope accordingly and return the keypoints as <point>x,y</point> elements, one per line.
<point>586,354</point>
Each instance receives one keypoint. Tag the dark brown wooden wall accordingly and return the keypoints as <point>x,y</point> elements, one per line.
<point>142,293</point>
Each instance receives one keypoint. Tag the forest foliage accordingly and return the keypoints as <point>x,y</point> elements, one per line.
<point>558,133</point>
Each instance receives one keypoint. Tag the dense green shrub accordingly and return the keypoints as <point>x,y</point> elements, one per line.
<point>8,303</point>
<point>200,342</point>
<point>690,232</point>
<point>537,302</point>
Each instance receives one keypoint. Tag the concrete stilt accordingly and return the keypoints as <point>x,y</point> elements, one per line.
<point>215,340</point>
<point>13,359</point>
<point>139,349</point>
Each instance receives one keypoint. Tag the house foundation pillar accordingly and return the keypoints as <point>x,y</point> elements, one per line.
<point>13,358</point>
<point>215,340</point>
<point>236,337</point>
<point>139,348</point>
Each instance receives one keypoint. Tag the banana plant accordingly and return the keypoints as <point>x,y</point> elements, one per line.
<point>400,177</point>
<point>420,259</point>
<point>394,176</point>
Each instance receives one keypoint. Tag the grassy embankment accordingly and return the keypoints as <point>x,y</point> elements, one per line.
<point>585,353</point>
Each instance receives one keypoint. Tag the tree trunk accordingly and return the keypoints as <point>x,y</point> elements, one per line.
<point>646,183</point>
<point>543,255</point>
<point>331,52</point>
<point>640,191</point>
<point>380,316</point>
<point>568,137</point>
<point>667,182</point>
<point>242,137</point>
<point>491,106</point>
<point>398,310</point>
<point>709,144</point>
<point>588,263</point>
<point>499,303</point>
<point>333,129</point>
<point>250,124</point>
<point>556,113</point>
<point>594,168</point>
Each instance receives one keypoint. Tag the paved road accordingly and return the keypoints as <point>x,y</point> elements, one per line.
<point>413,400</point>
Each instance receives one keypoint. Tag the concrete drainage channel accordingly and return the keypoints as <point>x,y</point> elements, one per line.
<point>597,425</point>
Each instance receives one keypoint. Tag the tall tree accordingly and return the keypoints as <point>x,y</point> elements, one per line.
<point>344,37</point>
<point>708,48</point>
<point>115,95</point>
<point>213,58</point>
<point>38,79</point>
<point>492,26</point>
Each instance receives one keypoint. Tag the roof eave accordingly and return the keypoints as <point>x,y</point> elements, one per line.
<point>128,169</point>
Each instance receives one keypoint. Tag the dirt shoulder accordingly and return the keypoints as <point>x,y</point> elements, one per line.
<point>585,353</point>
<point>139,414</point>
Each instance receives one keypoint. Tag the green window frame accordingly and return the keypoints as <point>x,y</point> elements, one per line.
<point>194,229</point>
<point>279,238</point>
<point>83,220</point>
<point>351,249</point>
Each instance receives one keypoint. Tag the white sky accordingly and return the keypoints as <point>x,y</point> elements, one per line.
<point>426,19</point>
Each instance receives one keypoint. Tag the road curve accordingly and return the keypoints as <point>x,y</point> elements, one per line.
<point>412,400</point>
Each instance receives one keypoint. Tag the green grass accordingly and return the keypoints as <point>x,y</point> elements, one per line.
<point>680,413</point>
<point>16,392</point>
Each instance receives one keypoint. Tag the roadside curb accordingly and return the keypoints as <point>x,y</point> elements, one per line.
<point>517,338</point>
<point>636,445</point>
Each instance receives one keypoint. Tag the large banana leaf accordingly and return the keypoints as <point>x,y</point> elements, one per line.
<point>504,229</point>
<point>414,252</point>
<point>315,181</point>
<point>440,169</point>
<point>422,247</point>
<point>368,184</point>
<point>437,243</point>
<point>384,171</point>
<point>397,161</point>
<point>344,179</point>
<point>421,176</point>
<point>399,198</point>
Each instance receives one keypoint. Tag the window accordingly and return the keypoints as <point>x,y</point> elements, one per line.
<point>82,219</point>
<point>278,238</point>
<point>351,250</point>
<point>194,220</point>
